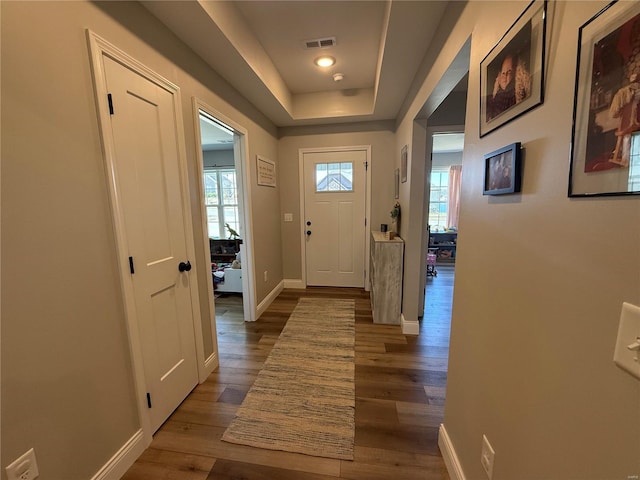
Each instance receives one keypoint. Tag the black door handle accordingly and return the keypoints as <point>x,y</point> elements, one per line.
<point>308,232</point>
<point>184,267</point>
<point>308,223</point>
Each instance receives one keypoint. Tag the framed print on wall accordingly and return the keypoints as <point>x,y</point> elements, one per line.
<point>512,73</point>
<point>266,171</point>
<point>605,138</point>
<point>503,170</point>
<point>403,164</point>
<point>397,184</point>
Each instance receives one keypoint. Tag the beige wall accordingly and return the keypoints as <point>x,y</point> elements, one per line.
<point>67,386</point>
<point>540,280</point>
<point>382,183</point>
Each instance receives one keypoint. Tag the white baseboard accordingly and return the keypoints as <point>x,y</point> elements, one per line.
<point>409,328</point>
<point>294,283</point>
<point>268,300</point>
<point>117,466</point>
<point>211,363</point>
<point>449,455</point>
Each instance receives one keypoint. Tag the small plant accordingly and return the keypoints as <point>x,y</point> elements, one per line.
<point>395,213</point>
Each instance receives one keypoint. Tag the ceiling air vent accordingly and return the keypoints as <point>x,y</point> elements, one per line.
<point>320,43</point>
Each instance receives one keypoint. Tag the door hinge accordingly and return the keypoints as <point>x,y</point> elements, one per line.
<point>110,99</point>
<point>148,399</point>
<point>366,166</point>
<point>365,221</point>
<point>131,266</point>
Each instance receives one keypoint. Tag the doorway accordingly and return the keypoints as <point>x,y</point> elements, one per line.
<point>225,212</point>
<point>442,227</point>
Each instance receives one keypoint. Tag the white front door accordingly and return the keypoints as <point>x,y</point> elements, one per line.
<point>334,217</point>
<point>149,195</point>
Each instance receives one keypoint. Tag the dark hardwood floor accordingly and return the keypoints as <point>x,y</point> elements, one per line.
<point>400,394</point>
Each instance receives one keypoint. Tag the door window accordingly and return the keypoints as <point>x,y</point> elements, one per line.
<point>334,177</point>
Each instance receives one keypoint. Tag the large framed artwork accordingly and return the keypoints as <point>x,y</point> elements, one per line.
<point>605,138</point>
<point>512,73</point>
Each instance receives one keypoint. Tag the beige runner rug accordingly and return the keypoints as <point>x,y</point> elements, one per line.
<point>303,400</point>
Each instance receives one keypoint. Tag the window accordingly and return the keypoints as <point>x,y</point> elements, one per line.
<point>334,177</point>
<point>634,164</point>
<point>221,200</point>
<point>439,198</point>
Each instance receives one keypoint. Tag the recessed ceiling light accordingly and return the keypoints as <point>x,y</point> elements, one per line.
<point>324,61</point>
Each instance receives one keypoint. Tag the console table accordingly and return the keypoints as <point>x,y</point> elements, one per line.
<point>385,273</point>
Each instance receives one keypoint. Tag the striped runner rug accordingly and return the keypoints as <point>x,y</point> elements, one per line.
<point>303,400</point>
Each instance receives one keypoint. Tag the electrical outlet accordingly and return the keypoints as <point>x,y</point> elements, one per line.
<point>487,457</point>
<point>266,276</point>
<point>24,468</point>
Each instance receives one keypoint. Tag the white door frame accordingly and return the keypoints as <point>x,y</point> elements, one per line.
<point>99,48</point>
<point>367,233</point>
<point>240,149</point>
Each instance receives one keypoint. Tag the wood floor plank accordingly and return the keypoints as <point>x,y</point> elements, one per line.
<point>230,470</point>
<point>399,437</point>
<point>205,440</point>
<point>384,410</point>
<point>364,471</point>
<point>426,415</point>
<point>202,412</point>
<point>157,464</point>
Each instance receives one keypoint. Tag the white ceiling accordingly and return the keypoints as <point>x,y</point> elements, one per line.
<point>448,142</point>
<point>258,47</point>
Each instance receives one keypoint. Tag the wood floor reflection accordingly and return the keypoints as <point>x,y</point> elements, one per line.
<point>400,396</point>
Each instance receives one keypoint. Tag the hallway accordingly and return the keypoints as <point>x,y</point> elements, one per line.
<point>400,385</point>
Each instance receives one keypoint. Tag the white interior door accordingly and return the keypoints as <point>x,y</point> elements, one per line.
<point>334,217</point>
<point>150,201</point>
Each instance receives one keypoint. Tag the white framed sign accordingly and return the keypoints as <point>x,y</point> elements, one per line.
<point>266,172</point>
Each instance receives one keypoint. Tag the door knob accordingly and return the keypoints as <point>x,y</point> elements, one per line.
<point>308,222</point>
<point>184,267</point>
<point>308,232</point>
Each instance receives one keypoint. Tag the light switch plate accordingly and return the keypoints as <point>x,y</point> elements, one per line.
<point>628,334</point>
<point>288,217</point>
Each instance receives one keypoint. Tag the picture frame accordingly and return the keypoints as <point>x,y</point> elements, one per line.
<point>266,171</point>
<point>403,164</point>
<point>512,73</point>
<point>396,183</point>
<point>503,170</point>
<point>605,134</point>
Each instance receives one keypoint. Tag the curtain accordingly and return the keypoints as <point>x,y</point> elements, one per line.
<point>453,208</point>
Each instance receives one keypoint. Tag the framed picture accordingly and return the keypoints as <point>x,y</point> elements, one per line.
<point>512,74</point>
<point>605,137</point>
<point>397,183</point>
<point>403,164</point>
<point>266,172</point>
<point>503,170</point>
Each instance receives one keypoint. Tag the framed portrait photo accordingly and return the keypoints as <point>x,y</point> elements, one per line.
<point>503,170</point>
<point>512,73</point>
<point>605,137</point>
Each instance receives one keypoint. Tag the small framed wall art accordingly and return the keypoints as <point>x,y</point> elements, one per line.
<point>403,164</point>
<point>397,184</point>
<point>503,170</point>
<point>266,171</point>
